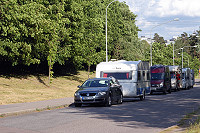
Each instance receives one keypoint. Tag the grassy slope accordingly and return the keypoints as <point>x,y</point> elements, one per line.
<point>35,88</point>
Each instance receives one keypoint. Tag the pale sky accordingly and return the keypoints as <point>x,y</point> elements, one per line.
<point>151,13</point>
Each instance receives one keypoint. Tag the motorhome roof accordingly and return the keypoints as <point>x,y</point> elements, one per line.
<point>174,68</point>
<point>120,65</point>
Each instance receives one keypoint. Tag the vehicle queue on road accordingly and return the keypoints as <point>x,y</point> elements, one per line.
<point>136,79</point>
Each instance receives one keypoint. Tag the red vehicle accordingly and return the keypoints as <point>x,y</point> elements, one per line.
<point>160,79</point>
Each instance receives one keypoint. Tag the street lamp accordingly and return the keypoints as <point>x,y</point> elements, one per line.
<point>182,52</point>
<point>106,31</point>
<point>176,19</point>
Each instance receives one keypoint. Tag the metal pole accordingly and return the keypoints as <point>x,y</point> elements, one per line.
<point>182,57</point>
<point>173,54</point>
<point>151,49</point>
<point>106,32</point>
<point>182,52</point>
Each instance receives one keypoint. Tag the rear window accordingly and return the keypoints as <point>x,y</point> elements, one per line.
<point>120,75</point>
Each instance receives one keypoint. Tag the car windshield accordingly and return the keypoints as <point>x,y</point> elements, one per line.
<point>95,83</point>
<point>157,76</point>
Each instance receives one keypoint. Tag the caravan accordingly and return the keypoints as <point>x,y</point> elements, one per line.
<point>186,72</point>
<point>192,79</point>
<point>134,76</point>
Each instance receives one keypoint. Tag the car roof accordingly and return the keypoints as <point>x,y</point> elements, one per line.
<point>108,78</point>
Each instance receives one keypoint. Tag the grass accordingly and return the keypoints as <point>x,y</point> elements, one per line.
<point>32,88</point>
<point>195,127</point>
<point>191,122</point>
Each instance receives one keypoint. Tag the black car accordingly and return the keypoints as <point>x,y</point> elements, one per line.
<point>104,91</point>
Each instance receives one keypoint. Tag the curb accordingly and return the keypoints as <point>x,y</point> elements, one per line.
<point>28,111</point>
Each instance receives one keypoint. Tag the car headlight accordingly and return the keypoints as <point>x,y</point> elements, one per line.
<point>101,93</point>
<point>161,84</point>
<point>76,94</point>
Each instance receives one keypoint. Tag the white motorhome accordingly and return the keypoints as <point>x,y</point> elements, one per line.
<point>134,76</point>
<point>192,79</point>
<point>176,80</point>
<point>186,75</point>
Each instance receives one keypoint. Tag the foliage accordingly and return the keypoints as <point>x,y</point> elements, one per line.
<point>158,39</point>
<point>162,54</point>
<point>62,31</point>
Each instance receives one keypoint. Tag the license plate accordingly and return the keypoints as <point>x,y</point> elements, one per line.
<point>153,88</point>
<point>87,98</point>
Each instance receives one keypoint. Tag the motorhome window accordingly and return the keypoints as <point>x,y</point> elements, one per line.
<point>156,76</point>
<point>143,73</point>
<point>119,76</point>
<point>139,75</point>
<point>148,76</point>
<point>183,75</point>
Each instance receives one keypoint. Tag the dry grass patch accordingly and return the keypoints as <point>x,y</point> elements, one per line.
<point>35,88</point>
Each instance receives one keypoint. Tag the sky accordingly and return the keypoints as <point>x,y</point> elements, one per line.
<point>156,16</point>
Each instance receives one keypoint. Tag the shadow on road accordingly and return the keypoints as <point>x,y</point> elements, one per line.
<point>159,111</point>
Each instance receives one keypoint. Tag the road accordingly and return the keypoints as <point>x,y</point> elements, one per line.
<point>152,115</point>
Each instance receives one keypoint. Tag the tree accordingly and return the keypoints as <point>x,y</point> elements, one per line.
<point>158,39</point>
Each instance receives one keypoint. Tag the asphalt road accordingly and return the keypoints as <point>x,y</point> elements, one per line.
<point>152,115</point>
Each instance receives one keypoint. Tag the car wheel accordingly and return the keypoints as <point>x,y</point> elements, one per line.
<point>164,92</point>
<point>78,104</point>
<point>169,91</point>
<point>142,97</point>
<point>108,101</point>
<point>120,99</point>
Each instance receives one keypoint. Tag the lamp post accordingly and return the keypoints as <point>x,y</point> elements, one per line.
<point>106,31</point>
<point>176,19</point>
<point>182,52</point>
<point>188,59</point>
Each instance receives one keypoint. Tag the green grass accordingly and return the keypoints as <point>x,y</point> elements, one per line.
<point>194,128</point>
<point>191,122</point>
<point>20,89</point>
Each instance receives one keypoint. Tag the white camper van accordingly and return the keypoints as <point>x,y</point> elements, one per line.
<point>192,79</point>
<point>134,76</point>
<point>176,80</point>
<point>186,75</point>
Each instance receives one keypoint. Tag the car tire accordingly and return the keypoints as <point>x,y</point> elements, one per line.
<point>78,104</point>
<point>120,101</point>
<point>142,97</point>
<point>169,91</point>
<point>164,92</point>
<point>108,101</point>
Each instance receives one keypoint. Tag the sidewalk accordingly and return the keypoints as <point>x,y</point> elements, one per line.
<point>20,108</point>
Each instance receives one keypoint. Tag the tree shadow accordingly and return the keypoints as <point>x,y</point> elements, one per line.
<point>157,111</point>
<point>40,80</point>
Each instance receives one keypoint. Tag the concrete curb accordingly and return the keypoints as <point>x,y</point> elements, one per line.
<point>27,111</point>
<point>24,108</point>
